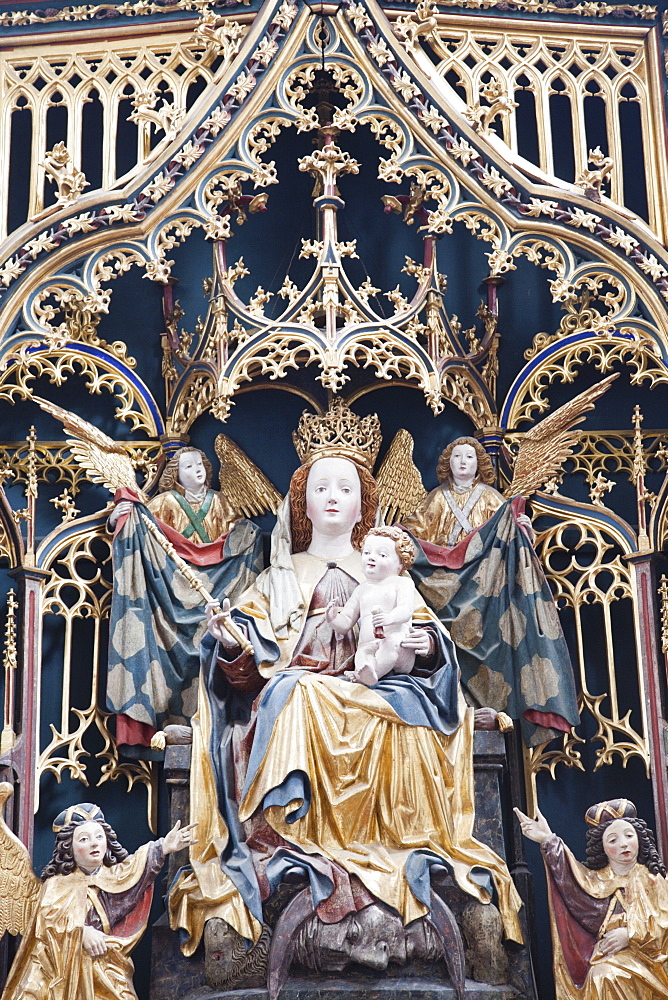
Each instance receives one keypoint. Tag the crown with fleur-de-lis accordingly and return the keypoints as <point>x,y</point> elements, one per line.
<point>339,433</point>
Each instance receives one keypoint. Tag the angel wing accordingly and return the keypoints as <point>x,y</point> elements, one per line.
<point>549,443</point>
<point>19,886</point>
<point>245,486</point>
<point>105,461</point>
<point>399,481</point>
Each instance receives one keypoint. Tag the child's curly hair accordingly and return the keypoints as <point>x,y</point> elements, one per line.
<point>402,544</point>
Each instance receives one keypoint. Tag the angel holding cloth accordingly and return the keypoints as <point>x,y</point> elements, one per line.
<point>186,532</point>
<point>477,569</point>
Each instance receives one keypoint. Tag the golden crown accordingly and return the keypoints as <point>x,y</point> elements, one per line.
<point>339,433</point>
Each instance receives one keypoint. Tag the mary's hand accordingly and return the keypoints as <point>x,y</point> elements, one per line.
<point>419,640</point>
<point>216,619</point>
<point>535,829</point>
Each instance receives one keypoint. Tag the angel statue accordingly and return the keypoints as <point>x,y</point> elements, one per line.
<point>82,919</point>
<point>477,568</point>
<point>298,769</point>
<point>171,553</point>
<point>609,916</point>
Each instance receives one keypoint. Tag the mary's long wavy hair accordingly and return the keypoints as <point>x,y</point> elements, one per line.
<point>169,480</point>
<point>301,526</point>
<point>485,473</point>
<point>647,852</point>
<point>63,863</point>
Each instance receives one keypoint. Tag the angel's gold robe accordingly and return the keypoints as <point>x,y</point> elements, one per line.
<point>51,962</point>
<point>434,520</point>
<point>601,901</point>
<point>216,522</point>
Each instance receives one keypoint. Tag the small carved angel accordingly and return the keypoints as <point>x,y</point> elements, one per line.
<point>609,916</point>
<point>477,569</point>
<point>155,617</point>
<point>465,498</point>
<point>82,919</point>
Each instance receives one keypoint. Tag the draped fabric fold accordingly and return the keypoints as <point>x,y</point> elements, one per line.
<point>361,789</point>
<point>490,591</point>
<point>157,618</point>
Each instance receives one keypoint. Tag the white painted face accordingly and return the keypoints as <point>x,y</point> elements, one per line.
<point>379,558</point>
<point>620,843</point>
<point>463,464</point>
<point>192,474</point>
<point>89,845</point>
<point>333,496</point>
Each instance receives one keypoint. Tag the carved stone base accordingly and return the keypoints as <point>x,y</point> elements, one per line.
<point>360,987</point>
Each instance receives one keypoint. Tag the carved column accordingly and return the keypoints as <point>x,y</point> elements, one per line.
<point>22,758</point>
<point>653,688</point>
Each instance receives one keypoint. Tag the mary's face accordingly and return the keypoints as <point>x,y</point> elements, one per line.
<point>333,496</point>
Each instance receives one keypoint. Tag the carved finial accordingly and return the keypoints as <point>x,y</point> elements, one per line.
<point>591,181</point>
<point>642,496</point>
<point>663,594</point>
<point>167,118</point>
<point>65,503</point>
<point>499,105</point>
<point>60,171</point>
<point>10,661</point>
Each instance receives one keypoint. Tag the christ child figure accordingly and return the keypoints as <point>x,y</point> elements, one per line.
<point>383,605</point>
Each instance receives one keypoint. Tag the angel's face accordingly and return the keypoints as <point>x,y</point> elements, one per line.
<point>89,845</point>
<point>192,474</point>
<point>333,496</point>
<point>620,843</point>
<point>463,464</point>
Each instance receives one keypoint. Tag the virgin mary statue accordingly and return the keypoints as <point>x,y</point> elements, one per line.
<point>363,789</point>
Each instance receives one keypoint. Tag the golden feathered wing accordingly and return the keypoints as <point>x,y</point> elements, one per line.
<point>549,443</point>
<point>243,484</point>
<point>105,461</point>
<point>19,886</point>
<point>399,481</point>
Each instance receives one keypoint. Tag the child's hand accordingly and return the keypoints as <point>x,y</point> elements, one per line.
<point>178,838</point>
<point>331,611</point>
<point>379,619</point>
<point>94,942</point>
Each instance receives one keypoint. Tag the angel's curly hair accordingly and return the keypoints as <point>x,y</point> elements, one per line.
<point>169,480</point>
<point>485,474</point>
<point>63,863</point>
<point>402,544</point>
<point>302,530</point>
<point>647,852</point>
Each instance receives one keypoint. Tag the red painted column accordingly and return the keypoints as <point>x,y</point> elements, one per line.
<point>651,666</point>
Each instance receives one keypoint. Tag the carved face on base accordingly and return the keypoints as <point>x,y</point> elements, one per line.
<point>373,937</point>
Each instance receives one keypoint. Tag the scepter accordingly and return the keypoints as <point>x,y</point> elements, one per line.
<point>193,580</point>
